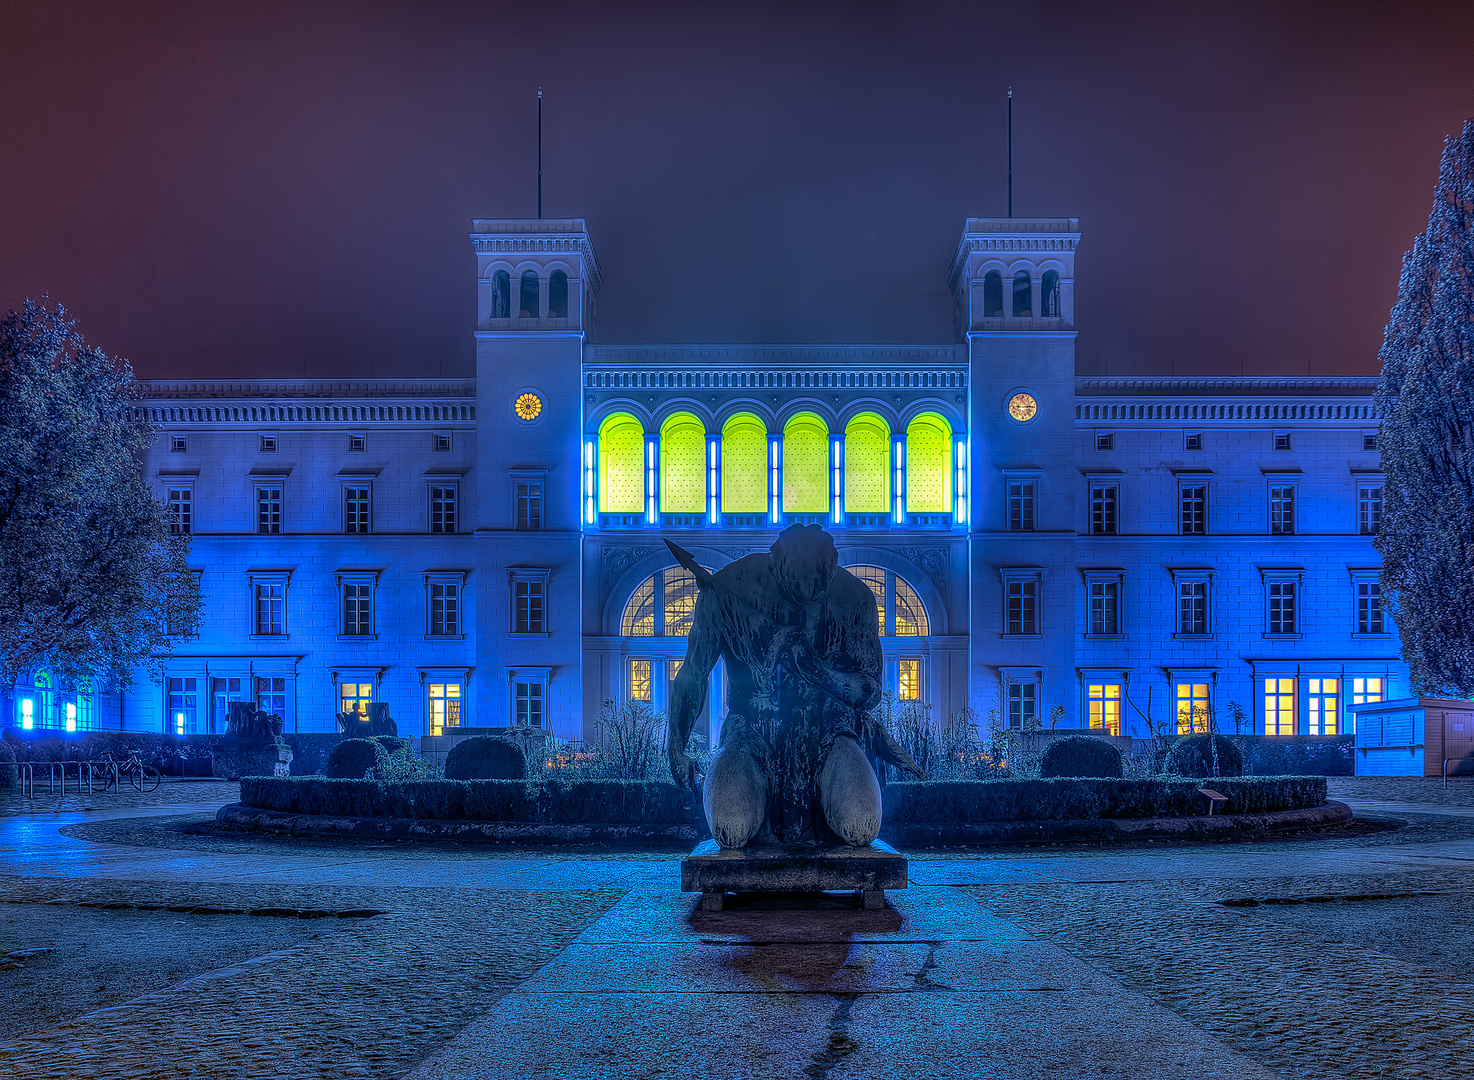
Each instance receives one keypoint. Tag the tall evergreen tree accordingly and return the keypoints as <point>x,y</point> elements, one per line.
<point>91,581</point>
<point>1426,399</point>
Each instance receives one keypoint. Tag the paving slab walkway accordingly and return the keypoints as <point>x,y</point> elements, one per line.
<point>1092,962</point>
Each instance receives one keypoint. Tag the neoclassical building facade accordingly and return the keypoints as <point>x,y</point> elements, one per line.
<point>1120,553</point>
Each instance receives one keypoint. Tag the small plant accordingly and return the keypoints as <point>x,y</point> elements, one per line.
<point>633,738</point>
<point>1056,714</point>
<point>402,764</point>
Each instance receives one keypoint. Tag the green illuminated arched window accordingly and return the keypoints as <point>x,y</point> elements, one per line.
<point>682,465</point>
<point>744,465</point>
<point>929,465</point>
<point>867,465</point>
<point>621,465</point>
<point>805,465</point>
<point>663,605</point>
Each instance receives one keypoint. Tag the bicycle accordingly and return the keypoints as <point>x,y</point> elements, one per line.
<point>142,777</point>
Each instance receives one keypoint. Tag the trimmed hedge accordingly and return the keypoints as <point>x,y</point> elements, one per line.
<point>1074,799</point>
<point>485,757</point>
<point>636,802</point>
<point>351,758</point>
<point>9,774</point>
<point>590,802</point>
<point>1192,756</point>
<point>170,754</point>
<point>1080,755</point>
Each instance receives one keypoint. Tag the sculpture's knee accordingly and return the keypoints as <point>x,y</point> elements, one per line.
<point>735,797</point>
<point>850,794</point>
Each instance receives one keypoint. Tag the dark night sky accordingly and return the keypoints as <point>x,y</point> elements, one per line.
<point>262,190</point>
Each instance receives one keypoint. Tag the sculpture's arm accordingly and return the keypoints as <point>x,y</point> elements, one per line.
<point>858,689</point>
<point>703,648</point>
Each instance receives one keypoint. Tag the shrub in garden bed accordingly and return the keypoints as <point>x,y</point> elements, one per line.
<point>9,775</point>
<point>485,757</point>
<point>1080,755</point>
<point>1193,756</point>
<point>351,758</point>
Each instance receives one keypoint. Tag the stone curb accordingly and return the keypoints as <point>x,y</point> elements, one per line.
<point>250,819</point>
<point>1197,827</point>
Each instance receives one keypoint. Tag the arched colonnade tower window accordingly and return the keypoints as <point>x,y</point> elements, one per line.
<point>659,612</point>
<point>747,471</point>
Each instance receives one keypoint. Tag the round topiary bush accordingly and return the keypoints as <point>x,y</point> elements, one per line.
<point>351,758</point>
<point>1193,757</point>
<point>392,744</point>
<point>485,758</point>
<point>1080,755</point>
<point>9,774</point>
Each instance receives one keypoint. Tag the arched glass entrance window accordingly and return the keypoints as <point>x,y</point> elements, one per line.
<point>929,465</point>
<point>867,458</point>
<point>901,613</point>
<point>744,465</point>
<point>682,465</point>
<point>663,605</point>
<point>805,465</point>
<point>621,465</point>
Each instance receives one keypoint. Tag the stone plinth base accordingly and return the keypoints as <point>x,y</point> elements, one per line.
<point>713,871</point>
<point>234,758</point>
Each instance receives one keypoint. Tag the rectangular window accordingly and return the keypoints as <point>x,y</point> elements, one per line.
<point>1105,440</point>
<point>1192,607</point>
<point>529,504</point>
<point>181,511</point>
<point>1023,705</point>
<point>445,706</point>
<point>358,610</point>
<point>183,706</point>
<point>1369,440</point>
<point>1369,608</point>
<point>1192,708</point>
<point>268,444</point>
<point>1192,440</point>
<point>908,680</point>
<point>1323,696</point>
<point>442,509</point>
<point>1103,704</point>
<point>356,443</point>
<point>1103,509</point>
<point>639,680</point>
<point>1021,607</point>
<point>1281,440</point>
<point>271,610</point>
<point>223,691</point>
<point>1282,510</point>
<point>445,608</point>
<point>1367,691</point>
<point>527,607</point>
<point>268,510</point>
<point>1368,508</point>
<point>1279,706</point>
<point>177,443</point>
<point>1021,505</point>
<point>1193,499</point>
<point>356,509</point>
<point>1282,607</point>
<point>355,697</point>
<point>441,443</point>
<point>529,703</point>
<point>271,695</point>
<point>1105,607</point>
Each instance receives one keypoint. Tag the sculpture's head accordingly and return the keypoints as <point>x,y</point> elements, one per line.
<point>804,560</point>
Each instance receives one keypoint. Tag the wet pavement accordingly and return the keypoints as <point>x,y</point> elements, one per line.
<point>486,962</point>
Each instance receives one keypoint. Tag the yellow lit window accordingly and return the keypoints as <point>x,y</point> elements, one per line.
<point>1104,701</point>
<point>680,601</point>
<point>744,466</point>
<point>445,707</point>
<point>1279,706</point>
<point>867,455</point>
<point>639,681</point>
<point>805,465</point>
<point>908,682</point>
<point>929,465</point>
<point>355,697</point>
<point>682,465</point>
<point>1192,708</point>
<point>621,465</point>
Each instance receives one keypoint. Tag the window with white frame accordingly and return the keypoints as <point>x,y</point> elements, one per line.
<point>1023,704</point>
<point>181,510</point>
<point>1021,496</point>
<point>357,517</point>
<point>1193,509</point>
<point>1282,604</point>
<point>1194,705</point>
<point>1103,603</point>
<point>1192,605</point>
<point>1322,702</point>
<point>527,501</point>
<point>268,444</point>
<point>269,601</point>
<point>183,705</point>
<point>355,696</point>
<point>1103,509</point>
<point>444,605</point>
<point>443,507</point>
<point>1282,509</point>
<point>528,607</point>
<point>1103,706</point>
<point>1021,602</point>
<point>440,442</point>
<point>529,695</point>
<point>271,695</point>
<point>268,509</point>
<point>1368,508</point>
<point>443,705</point>
<point>908,679</point>
<point>178,443</point>
<point>357,443</point>
<point>1278,695</point>
<point>638,683</point>
<point>358,607</point>
<point>1370,617</point>
<point>1105,440</point>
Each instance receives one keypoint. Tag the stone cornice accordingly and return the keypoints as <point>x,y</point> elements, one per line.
<point>1340,385</point>
<point>742,356</point>
<point>1013,235</point>
<point>538,235</point>
<point>336,389</point>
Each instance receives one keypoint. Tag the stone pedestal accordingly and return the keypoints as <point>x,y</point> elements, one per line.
<point>713,871</point>
<point>252,757</point>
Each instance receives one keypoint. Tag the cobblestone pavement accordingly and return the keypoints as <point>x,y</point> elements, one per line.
<point>1428,790</point>
<point>485,955</point>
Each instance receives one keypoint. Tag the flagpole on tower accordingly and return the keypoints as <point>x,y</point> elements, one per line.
<point>540,152</point>
<point>1010,151</point>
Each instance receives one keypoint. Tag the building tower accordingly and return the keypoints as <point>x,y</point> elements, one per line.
<point>1013,279</point>
<point>536,283</point>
